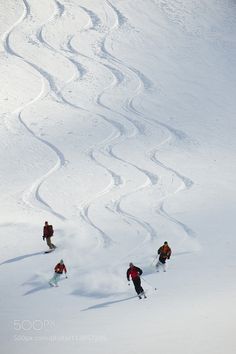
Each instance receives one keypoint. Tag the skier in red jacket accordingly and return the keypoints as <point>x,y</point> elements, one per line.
<point>135,272</point>
<point>59,269</point>
<point>48,233</point>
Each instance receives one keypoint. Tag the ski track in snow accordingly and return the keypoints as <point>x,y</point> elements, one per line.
<point>119,70</point>
<point>121,130</point>
<point>96,23</point>
<point>119,77</point>
<point>33,193</point>
<point>47,79</point>
<point>144,84</point>
<point>121,19</point>
<point>187,183</point>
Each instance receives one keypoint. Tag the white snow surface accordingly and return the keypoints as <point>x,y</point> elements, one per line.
<point>118,126</point>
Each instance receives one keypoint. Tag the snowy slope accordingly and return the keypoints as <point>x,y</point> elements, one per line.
<point>118,127</point>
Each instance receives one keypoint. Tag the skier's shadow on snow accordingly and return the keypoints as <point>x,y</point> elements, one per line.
<point>39,288</point>
<point>42,286</point>
<point>16,259</point>
<point>107,303</point>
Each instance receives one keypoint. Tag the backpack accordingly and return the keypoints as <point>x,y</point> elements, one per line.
<point>50,230</point>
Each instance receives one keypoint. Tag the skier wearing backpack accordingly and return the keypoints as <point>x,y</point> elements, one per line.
<point>59,269</point>
<point>135,272</point>
<point>48,233</point>
<point>164,253</point>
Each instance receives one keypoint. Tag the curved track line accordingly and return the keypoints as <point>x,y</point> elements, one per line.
<point>187,181</point>
<point>146,84</point>
<point>34,190</point>
<point>186,228</point>
<point>119,77</point>
<point>121,19</point>
<point>60,10</point>
<point>6,35</point>
<point>107,241</point>
<point>96,23</point>
<point>116,207</point>
<point>48,77</point>
<point>117,180</point>
<point>143,84</point>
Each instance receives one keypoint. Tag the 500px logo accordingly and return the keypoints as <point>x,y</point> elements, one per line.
<point>32,325</point>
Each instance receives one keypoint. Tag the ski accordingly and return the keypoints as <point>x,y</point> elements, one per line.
<point>49,251</point>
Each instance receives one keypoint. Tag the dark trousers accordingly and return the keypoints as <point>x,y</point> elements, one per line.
<point>162,259</point>
<point>137,285</point>
<point>49,243</point>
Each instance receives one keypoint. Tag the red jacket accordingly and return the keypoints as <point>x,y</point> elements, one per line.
<point>48,231</point>
<point>164,251</point>
<point>134,272</point>
<point>59,268</point>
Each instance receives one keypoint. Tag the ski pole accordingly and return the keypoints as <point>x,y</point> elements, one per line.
<point>148,283</point>
<point>154,260</point>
